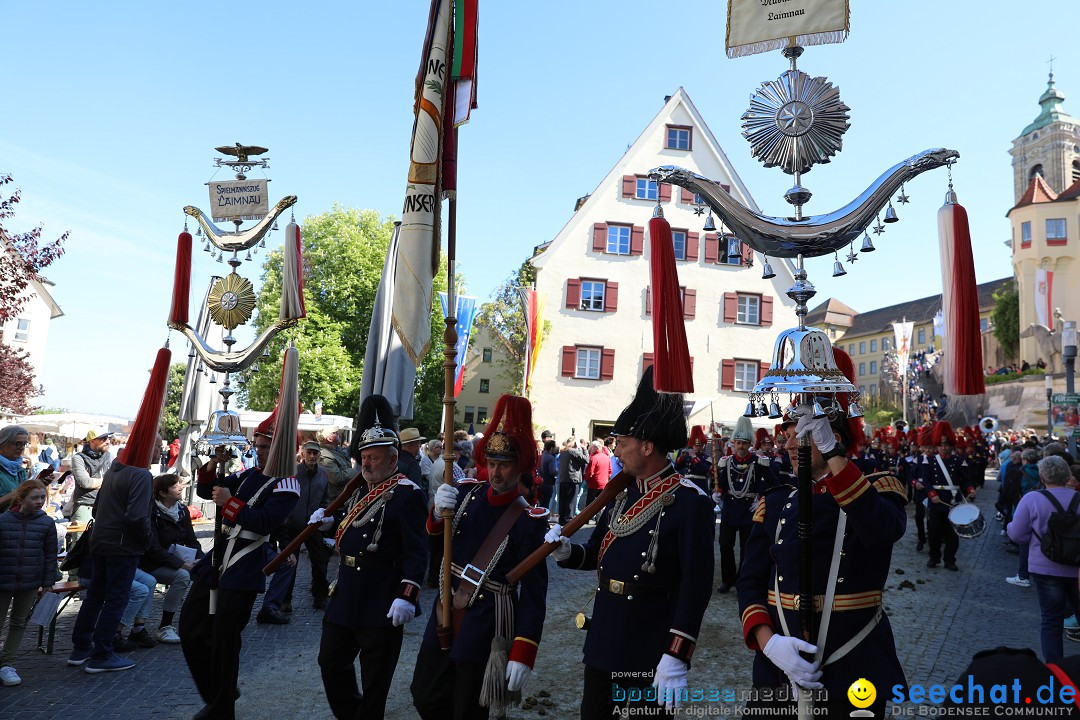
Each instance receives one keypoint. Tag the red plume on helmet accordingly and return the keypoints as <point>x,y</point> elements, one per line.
<point>854,426</point>
<point>142,442</point>
<point>509,434</point>
<point>924,436</point>
<point>942,433</point>
<point>697,435</point>
<point>760,435</point>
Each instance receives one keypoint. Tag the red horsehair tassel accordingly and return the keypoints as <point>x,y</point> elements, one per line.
<point>960,302</point>
<point>671,364</point>
<point>292,280</point>
<point>142,444</point>
<point>178,315</point>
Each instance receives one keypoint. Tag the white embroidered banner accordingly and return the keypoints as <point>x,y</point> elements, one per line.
<point>757,26</point>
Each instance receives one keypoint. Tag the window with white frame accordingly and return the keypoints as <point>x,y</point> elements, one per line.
<point>592,294</point>
<point>618,239</point>
<point>588,363</point>
<point>22,329</point>
<point>1025,233</point>
<point>678,138</point>
<point>1055,230</point>
<point>749,310</point>
<point>678,239</point>
<point>745,375</point>
<point>645,189</point>
<point>470,414</point>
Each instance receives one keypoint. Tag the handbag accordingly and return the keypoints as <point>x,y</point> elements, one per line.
<point>45,609</point>
<point>79,551</point>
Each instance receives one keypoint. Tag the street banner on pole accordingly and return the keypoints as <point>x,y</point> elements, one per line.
<point>465,314</point>
<point>532,307</point>
<point>902,341</point>
<point>1044,291</point>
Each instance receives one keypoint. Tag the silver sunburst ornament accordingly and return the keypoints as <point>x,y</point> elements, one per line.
<point>795,122</point>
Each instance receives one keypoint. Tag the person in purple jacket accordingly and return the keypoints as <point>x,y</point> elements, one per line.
<point>1055,584</point>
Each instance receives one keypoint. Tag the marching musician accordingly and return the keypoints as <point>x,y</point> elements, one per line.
<point>919,481</point>
<point>384,555</point>
<point>942,485</point>
<point>252,506</point>
<point>649,551</point>
<point>696,466</point>
<point>496,626</point>
<point>743,477</point>
<point>854,638</point>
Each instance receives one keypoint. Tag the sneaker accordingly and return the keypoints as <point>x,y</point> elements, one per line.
<point>143,638</point>
<point>1071,623</point>
<point>168,635</point>
<point>121,644</point>
<point>9,677</point>
<point>1018,581</point>
<point>78,657</point>
<point>113,663</point>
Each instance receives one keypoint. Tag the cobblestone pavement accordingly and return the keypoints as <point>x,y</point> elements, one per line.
<point>940,619</point>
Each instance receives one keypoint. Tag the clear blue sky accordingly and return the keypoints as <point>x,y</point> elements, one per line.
<point>112,111</point>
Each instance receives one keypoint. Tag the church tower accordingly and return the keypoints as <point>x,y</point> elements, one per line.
<point>1049,146</point>
<point>1046,220</point>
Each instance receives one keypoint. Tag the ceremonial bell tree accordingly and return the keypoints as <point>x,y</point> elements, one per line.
<point>22,258</point>
<point>344,252</point>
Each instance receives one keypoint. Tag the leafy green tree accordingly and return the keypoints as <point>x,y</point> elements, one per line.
<point>344,253</point>
<point>505,319</point>
<point>1006,319</point>
<point>171,424</point>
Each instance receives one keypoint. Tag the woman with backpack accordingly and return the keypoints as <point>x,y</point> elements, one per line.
<point>1055,581</point>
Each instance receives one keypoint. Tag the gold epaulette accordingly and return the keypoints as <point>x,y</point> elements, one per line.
<point>885,482</point>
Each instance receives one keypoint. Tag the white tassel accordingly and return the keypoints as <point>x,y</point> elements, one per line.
<point>282,461</point>
<point>494,693</point>
<point>292,302</point>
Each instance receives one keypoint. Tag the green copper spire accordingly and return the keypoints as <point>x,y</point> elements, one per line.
<point>1051,109</point>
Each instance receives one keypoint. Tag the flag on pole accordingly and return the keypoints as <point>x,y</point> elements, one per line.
<point>1044,291</point>
<point>418,247</point>
<point>388,369</point>
<point>465,314</point>
<point>902,337</point>
<point>464,69</point>
<point>532,307</point>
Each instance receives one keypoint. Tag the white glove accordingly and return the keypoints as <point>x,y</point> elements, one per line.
<point>319,516</point>
<point>555,535</point>
<point>445,498</point>
<point>516,675</point>
<point>783,651</point>
<point>669,678</point>
<point>401,612</point>
<point>819,430</point>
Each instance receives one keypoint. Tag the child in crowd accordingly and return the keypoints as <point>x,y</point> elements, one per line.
<point>27,566</point>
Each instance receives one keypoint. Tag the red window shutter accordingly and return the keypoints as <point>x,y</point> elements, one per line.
<point>747,254</point>
<point>712,247</point>
<point>648,300</point>
<point>727,375</point>
<point>646,361</point>
<point>686,196</point>
<point>599,237</point>
<point>611,297</point>
<point>607,363</point>
<point>573,293</point>
<point>731,307</point>
<point>763,369</point>
<point>629,185</point>
<point>665,192</point>
<point>569,360</point>
<point>766,310</point>
<point>689,304</point>
<point>637,240</point>
<point>691,246</point>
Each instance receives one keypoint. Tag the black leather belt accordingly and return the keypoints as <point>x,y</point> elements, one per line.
<point>631,590</point>
<point>363,561</point>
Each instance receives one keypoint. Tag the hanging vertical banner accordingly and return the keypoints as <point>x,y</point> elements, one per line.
<point>532,307</point>
<point>466,17</point>
<point>939,325</point>
<point>902,342</point>
<point>757,26</point>
<point>466,313</point>
<point>418,249</point>
<point>1044,291</point>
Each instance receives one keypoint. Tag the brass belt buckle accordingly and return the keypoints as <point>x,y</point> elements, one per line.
<point>616,587</point>
<point>350,561</point>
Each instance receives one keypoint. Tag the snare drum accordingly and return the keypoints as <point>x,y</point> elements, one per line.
<point>967,521</point>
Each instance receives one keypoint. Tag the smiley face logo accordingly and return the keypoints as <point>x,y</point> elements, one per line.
<point>862,693</point>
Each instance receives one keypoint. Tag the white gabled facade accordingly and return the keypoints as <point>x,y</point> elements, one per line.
<point>599,304</point>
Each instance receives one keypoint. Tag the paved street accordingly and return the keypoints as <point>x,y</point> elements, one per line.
<point>939,625</point>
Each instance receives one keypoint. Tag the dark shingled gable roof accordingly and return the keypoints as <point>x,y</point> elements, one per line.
<point>917,311</point>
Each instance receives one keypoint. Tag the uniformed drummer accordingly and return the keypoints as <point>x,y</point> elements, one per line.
<point>948,475</point>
